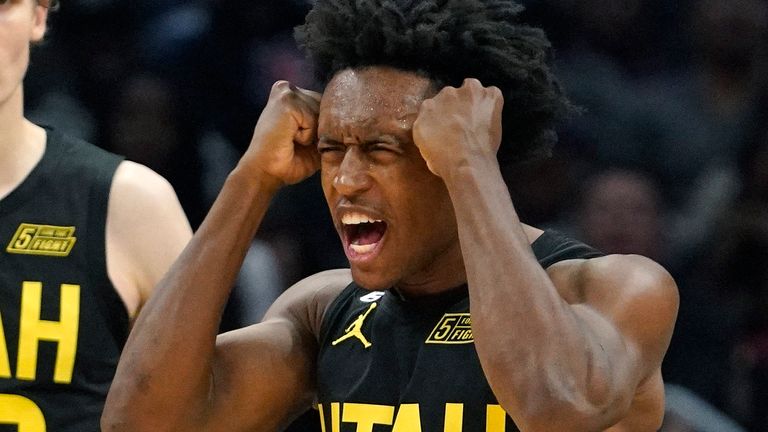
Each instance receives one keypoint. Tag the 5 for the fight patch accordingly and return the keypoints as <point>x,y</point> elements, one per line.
<point>49,240</point>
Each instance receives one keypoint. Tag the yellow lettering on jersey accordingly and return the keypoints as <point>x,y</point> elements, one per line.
<point>32,330</point>
<point>20,411</point>
<point>454,417</point>
<point>453,328</point>
<point>5,364</point>
<point>367,415</point>
<point>495,419</point>
<point>335,417</point>
<point>408,419</point>
<point>50,240</point>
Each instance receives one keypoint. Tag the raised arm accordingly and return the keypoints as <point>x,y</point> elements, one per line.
<point>174,374</point>
<point>568,354</point>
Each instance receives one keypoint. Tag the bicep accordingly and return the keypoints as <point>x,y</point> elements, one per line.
<point>630,309</point>
<point>262,376</point>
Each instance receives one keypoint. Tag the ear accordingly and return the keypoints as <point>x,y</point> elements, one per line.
<point>40,23</point>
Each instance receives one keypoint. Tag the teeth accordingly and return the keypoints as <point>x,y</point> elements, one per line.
<point>356,219</point>
<point>362,249</point>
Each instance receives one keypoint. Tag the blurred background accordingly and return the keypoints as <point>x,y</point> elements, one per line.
<point>668,157</point>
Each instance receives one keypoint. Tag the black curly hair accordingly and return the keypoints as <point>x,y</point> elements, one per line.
<point>447,41</point>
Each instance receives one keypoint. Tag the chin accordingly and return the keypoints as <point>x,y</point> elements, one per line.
<point>371,280</point>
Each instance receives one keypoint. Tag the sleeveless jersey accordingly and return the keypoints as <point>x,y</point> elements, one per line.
<point>389,365</point>
<point>62,324</point>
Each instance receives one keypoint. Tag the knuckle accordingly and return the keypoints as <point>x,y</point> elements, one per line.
<point>282,90</point>
<point>472,82</point>
<point>280,86</point>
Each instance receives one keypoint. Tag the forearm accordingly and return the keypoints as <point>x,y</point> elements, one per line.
<point>541,360</point>
<point>165,372</point>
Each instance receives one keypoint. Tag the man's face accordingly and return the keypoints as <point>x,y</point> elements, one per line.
<point>394,217</point>
<point>21,23</point>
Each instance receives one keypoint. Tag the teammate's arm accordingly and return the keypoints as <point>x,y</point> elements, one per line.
<point>174,375</point>
<point>146,232</point>
<point>552,365</point>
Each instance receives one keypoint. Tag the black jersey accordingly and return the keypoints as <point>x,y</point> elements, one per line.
<point>62,324</point>
<point>389,365</point>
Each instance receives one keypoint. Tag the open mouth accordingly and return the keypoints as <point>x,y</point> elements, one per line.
<point>362,233</point>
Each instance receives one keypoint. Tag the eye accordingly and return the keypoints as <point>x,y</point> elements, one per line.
<point>384,147</point>
<point>381,147</point>
<point>327,147</point>
<point>331,152</point>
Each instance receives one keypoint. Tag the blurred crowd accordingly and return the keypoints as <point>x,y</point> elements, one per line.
<point>666,154</point>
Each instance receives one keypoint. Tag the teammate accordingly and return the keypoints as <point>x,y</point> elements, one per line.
<point>481,323</point>
<point>85,236</point>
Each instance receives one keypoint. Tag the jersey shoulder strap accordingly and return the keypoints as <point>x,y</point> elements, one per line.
<point>552,247</point>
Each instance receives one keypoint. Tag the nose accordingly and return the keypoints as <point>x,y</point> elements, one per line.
<point>353,176</point>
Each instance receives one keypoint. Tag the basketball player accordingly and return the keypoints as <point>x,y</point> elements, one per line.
<point>85,236</point>
<point>480,323</point>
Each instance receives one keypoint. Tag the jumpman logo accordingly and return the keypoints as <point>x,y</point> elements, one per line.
<point>356,329</point>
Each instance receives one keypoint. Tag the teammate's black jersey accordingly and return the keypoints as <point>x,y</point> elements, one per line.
<point>62,324</point>
<point>389,365</point>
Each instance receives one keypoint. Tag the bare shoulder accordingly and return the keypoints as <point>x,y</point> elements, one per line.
<point>634,294</point>
<point>133,180</point>
<point>633,277</point>
<point>143,213</point>
<point>309,299</point>
<point>613,277</point>
<point>138,195</point>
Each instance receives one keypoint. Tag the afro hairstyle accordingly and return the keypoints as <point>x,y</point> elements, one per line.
<point>448,41</point>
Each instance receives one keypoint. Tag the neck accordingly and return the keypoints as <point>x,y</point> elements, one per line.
<point>11,116</point>
<point>443,274</point>
<point>446,273</point>
<point>22,143</point>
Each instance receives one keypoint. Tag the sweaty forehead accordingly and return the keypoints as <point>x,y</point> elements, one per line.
<point>360,97</point>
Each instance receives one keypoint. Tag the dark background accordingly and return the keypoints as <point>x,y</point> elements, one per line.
<point>668,158</point>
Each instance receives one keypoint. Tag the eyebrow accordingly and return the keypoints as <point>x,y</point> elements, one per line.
<point>387,138</point>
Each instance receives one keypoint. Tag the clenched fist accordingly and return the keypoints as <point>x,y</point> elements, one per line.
<point>283,147</point>
<point>459,126</point>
